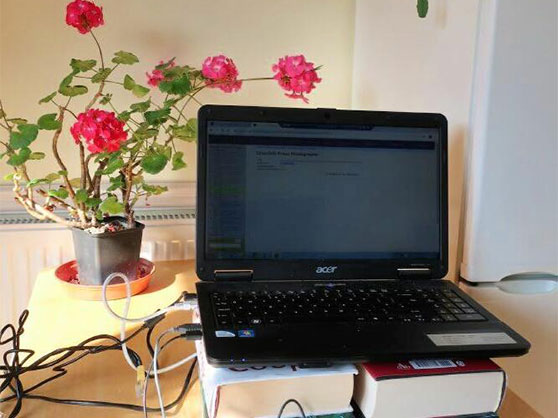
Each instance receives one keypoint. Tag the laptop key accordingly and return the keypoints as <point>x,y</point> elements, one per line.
<point>470,317</point>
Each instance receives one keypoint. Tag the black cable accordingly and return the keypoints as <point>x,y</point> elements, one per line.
<point>12,369</point>
<point>132,407</point>
<point>288,401</point>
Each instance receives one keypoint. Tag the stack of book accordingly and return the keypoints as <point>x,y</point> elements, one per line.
<point>242,392</point>
<point>413,389</point>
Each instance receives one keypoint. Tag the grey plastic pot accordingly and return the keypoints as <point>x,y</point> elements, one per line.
<point>102,254</point>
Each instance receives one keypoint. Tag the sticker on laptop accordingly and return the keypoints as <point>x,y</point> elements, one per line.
<point>473,338</point>
<point>225,334</point>
<point>246,333</point>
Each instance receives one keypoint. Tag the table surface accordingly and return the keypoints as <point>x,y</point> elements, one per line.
<point>57,321</point>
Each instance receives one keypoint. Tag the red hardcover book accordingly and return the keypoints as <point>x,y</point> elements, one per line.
<point>429,388</point>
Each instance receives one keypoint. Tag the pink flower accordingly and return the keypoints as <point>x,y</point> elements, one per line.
<point>156,76</point>
<point>296,75</point>
<point>220,72</point>
<point>84,15</point>
<point>100,129</point>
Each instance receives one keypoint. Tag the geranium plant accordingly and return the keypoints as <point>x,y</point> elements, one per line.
<point>117,146</point>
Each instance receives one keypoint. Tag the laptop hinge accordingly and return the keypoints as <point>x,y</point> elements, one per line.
<point>235,275</point>
<point>414,273</point>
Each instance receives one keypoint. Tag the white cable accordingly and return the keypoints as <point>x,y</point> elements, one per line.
<point>144,396</point>
<point>123,319</point>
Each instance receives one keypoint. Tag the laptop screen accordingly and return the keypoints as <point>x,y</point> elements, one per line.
<point>284,191</point>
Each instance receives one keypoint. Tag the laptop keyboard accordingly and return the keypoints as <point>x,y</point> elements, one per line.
<point>360,303</point>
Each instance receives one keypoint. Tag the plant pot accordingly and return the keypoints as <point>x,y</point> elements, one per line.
<point>99,255</point>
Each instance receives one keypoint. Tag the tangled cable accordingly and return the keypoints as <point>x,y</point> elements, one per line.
<point>16,363</point>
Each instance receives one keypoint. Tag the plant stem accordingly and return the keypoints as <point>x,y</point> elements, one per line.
<point>4,117</point>
<point>99,48</point>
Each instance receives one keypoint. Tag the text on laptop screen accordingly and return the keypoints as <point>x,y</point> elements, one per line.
<point>296,191</point>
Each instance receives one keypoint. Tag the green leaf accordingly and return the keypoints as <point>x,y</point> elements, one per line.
<point>60,193</point>
<point>82,65</point>
<point>49,122</point>
<point>18,121</point>
<point>129,82</point>
<point>156,117</point>
<point>9,177</point>
<point>111,205</point>
<point>139,91</point>
<point>188,132</point>
<point>153,162</point>
<point>66,81</point>
<point>141,106</point>
<point>19,158</point>
<point>142,133</point>
<point>81,195</point>
<point>37,156</point>
<point>35,182</point>
<point>62,172</point>
<point>177,161</point>
<point>106,99</point>
<point>75,182</point>
<point>179,86</point>
<point>71,91</point>
<point>91,202</point>
<point>115,184</point>
<point>48,98</point>
<point>101,75</point>
<point>153,189</point>
<point>124,116</point>
<point>113,165</point>
<point>422,8</point>
<point>52,177</point>
<point>26,134</point>
<point>123,57</point>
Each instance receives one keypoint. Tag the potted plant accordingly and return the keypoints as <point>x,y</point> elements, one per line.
<point>117,146</point>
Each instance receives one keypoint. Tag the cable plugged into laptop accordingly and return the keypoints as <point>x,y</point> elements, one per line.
<point>190,331</point>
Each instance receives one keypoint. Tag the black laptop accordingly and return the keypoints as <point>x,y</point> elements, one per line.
<point>322,237</point>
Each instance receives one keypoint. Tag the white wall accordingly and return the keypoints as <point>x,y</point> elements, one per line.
<point>512,201</point>
<point>36,46</point>
<point>405,63</point>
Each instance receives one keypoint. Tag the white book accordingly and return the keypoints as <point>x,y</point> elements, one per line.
<point>429,388</point>
<point>260,392</point>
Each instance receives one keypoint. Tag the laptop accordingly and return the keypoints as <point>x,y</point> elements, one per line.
<point>322,237</point>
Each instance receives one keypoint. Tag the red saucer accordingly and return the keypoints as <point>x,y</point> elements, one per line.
<point>67,275</point>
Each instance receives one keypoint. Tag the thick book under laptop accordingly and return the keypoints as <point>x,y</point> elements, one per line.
<point>322,237</point>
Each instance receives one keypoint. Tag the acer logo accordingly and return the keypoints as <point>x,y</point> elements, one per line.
<point>328,269</point>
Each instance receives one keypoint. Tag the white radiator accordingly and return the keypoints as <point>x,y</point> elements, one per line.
<point>28,246</point>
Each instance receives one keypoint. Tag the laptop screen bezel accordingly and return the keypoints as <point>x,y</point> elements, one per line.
<point>347,269</point>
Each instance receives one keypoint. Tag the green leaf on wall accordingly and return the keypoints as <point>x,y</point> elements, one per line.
<point>177,161</point>
<point>156,117</point>
<point>49,122</point>
<point>153,162</point>
<point>36,155</point>
<point>82,65</point>
<point>24,136</point>
<point>139,91</point>
<point>126,58</point>
<point>48,98</point>
<point>129,82</point>
<point>101,75</point>
<point>19,158</point>
<point>422,8</point>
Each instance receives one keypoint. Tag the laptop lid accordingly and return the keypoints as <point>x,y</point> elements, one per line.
<point>310,194</point>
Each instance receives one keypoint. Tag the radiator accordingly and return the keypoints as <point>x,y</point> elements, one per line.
<point>27,246</point>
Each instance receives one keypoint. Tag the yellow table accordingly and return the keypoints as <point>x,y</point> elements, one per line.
<point>57,321</point>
